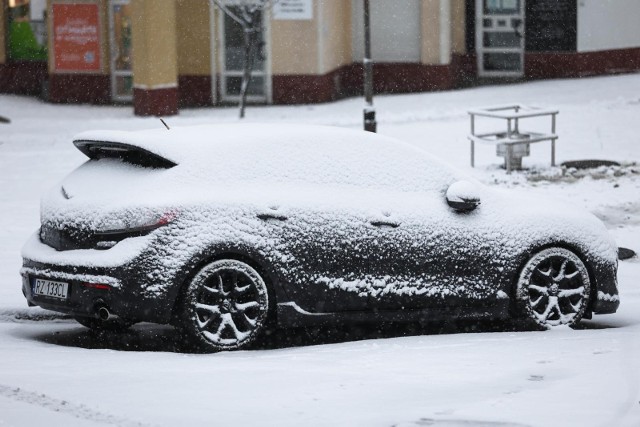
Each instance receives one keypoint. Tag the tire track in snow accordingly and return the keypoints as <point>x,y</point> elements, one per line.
<point>30,315</point>
<point>56,405</point>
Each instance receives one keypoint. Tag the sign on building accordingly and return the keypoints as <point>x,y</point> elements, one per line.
<point>293,10</point>
<point>76,37</point>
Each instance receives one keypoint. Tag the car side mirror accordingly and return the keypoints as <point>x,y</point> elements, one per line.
<point>462,196</point>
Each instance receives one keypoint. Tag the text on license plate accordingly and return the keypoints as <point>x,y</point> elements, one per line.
<point>50,288</point>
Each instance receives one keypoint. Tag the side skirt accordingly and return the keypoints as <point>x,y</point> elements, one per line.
<point>290,315</point>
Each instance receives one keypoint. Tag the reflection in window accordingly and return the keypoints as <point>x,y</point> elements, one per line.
<point>27,30</point>
<point>234,45</point>
<point>122,36</point>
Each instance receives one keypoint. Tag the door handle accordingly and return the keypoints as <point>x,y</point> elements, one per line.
<point>275,216</point>
<point>385,224</point>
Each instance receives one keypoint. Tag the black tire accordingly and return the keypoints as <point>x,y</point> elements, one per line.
<point>553,289</point>
<point>226,306</point>
<point>99,325</point>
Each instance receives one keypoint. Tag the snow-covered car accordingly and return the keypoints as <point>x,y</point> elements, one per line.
<point>227,231</point>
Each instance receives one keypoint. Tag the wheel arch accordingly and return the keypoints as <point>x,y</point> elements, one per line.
<point>219,252</point>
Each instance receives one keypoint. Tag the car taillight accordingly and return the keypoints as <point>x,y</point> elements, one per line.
<point>98,286</point>
<point>138,223</point>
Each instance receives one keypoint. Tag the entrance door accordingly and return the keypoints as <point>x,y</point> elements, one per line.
<point>120,42</point>
<point>232,60</point>
<point>500,38</point>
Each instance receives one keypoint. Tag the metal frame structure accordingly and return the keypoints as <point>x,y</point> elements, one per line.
<point>514,136</point>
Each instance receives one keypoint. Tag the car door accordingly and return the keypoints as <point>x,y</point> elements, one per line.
<point>433,257</point>
<point>321,260</point>
<point>329,254</point>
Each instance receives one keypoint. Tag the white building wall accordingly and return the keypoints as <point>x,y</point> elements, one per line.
<point>608,24</point>
<point>395,30</point>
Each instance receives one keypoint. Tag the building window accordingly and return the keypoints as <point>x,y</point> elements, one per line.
<point>396,34</point>
<point>232,60</point>
<point>27,30</point>
<point>120,34</point>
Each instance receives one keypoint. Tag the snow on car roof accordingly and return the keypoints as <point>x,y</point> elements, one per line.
<point>291,152</point>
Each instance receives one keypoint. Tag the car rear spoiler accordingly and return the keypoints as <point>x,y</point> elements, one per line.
<point>128,153</point>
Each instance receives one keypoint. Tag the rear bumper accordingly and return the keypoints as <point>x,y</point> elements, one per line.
<point>124,269</point>
<point>83,298</point>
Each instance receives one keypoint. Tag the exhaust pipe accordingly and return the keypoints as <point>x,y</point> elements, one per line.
<point>103,312</point>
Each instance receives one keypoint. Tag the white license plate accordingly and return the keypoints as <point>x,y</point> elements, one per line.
<point>49,288</point>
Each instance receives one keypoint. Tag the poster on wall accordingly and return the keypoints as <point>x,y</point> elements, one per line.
<point>76,37</point>
<point>293,10</point>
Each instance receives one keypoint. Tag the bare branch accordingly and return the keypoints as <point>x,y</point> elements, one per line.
<point>247,13</point>
<point>228,12</point>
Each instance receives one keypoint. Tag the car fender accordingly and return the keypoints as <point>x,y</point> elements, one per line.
<point>226,250</point>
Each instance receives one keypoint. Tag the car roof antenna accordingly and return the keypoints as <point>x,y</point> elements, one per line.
<point>164,123</point>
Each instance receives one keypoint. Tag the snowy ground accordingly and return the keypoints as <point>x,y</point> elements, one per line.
<point>54,372</point>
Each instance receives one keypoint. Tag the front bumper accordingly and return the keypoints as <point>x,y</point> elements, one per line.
<point>606,303</point>
<point>606,299</point>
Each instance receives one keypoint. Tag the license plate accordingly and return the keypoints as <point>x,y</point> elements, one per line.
<point>49,288</point>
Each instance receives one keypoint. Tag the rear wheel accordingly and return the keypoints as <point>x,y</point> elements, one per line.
<point>225,307</point>
<point>112,325</point>
<point>554,289</point>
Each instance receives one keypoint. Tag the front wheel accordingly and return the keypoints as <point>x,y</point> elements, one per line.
<point>554,288</point>
<point>225,306</point>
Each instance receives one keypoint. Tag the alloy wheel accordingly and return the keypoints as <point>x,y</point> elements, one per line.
<point>554,288</point>
<point>228,305</point>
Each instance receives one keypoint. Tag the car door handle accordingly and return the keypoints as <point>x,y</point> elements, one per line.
<point>269,216</point>
<point>385,224</point>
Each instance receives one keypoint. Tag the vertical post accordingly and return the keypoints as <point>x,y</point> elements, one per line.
<point>473,154</point>
<point>370,124</point>
<point>553,140</point>
<point>473,132</point>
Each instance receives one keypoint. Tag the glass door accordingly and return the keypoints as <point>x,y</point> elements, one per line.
<point>500,38</point>
<point>232,61</point>
<point>120,42</point>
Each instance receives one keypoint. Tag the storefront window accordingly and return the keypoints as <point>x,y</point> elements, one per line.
<point>27,30</point>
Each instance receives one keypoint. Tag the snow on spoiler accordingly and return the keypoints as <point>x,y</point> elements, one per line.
<point>98,145</point>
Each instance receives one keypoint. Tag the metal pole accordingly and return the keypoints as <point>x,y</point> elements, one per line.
<point>473,133</point>
<point>370,124</point>
<point>553,140</point>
